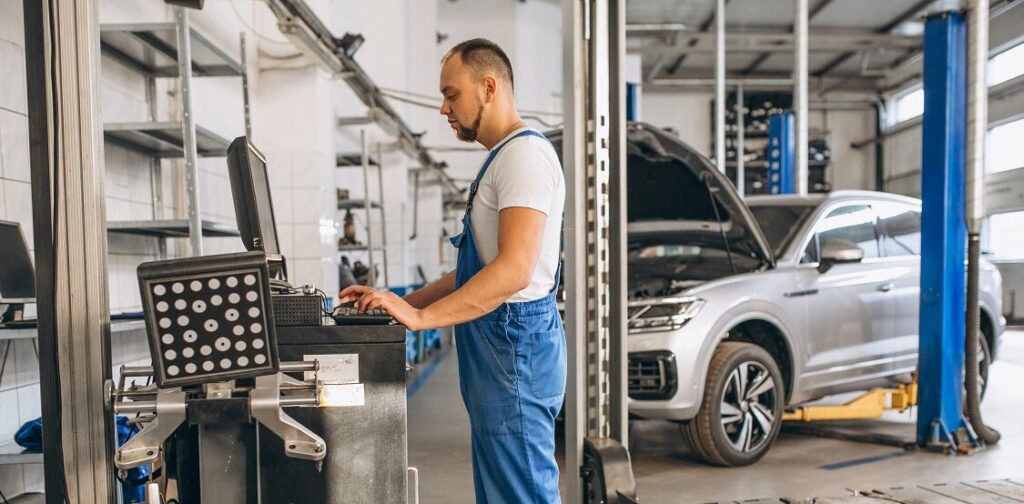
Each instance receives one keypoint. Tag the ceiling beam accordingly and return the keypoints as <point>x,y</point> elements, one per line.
<point>766,42</point>
<point>820,6</point>
<point>704,27</point>
<point>904,16</point>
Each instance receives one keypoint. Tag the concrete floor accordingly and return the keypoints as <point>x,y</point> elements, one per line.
<point>797,466</point>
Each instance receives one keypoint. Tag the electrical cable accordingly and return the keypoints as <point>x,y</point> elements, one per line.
<point>434,98</point>
<point>434,106</point>
<point>255,31</point>
<point>4,497</point>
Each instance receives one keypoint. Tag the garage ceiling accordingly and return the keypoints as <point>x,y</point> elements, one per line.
<point>854,43</point>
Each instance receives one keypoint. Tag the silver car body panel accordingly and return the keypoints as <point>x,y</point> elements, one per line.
<point>851,328</point>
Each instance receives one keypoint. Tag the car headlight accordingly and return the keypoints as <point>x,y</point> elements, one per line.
<point>662,314</point>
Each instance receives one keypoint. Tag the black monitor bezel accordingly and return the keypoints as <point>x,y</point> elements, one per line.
<point>246,204</point>
<point>28,253</point>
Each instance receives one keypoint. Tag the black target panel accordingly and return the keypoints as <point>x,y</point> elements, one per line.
<point>208,318</point>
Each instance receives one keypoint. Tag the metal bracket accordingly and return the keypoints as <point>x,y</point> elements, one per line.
<point>145,447</point>
<point>299,442</point>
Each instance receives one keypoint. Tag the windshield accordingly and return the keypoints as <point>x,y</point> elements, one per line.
<point>780,223</point>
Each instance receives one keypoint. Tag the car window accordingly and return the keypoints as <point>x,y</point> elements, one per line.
<point>851,223</point>
<point>901,229</point>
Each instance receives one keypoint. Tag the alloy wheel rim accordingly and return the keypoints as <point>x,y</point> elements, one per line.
<point>747,409</point>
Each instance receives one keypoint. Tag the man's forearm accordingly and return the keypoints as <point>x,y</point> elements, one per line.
<point>421,298</point>
<point>490,287</point>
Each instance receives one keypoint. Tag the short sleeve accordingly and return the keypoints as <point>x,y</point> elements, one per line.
<point>525,178</point>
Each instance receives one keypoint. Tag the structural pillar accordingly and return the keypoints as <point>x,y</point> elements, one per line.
<point>65,137</point>
<point>943,233</point>
<point>800,102</point>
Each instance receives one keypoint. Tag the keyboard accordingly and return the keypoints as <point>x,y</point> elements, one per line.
<point>347,314</point>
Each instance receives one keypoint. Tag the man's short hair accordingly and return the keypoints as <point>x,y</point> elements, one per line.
<point>483,55</point>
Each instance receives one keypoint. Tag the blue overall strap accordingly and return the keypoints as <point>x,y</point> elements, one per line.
<point>487,164</point>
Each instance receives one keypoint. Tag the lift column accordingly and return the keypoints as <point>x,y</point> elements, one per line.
<point>940,424</point>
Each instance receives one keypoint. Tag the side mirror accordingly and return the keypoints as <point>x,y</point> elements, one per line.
<point>839,252</point>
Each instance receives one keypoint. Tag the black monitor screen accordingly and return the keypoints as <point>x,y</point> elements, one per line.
<point>250,190</point>
<point>17,278</point>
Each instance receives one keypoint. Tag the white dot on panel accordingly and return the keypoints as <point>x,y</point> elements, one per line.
<point>240,346</point>
<point>167,339</point>
<point>231,314</point>
<point>162,306</point>
<point>216,300</point>
<point>243,361</point>
<point>196,285</point>
<point>180,304</point>
<point>254,312</point>
<point>257,344</point>
<point>225,363</point>
<point>190,336</point>
<point>170,355</point>
<point>172,370</point>
<point>183,320</point>
<point>222,344</point>
<point>190,368</point>
<point>231,281</point>
<point>234,297</point>
<point>199,306</point>
<point>205,350</point>
<point>259,359</point>
<point>165,322</point>
<point>159,290</point>
<point>188,353</point>
<point>251,296</point>
<point>213,283</point>
<point>256,328</point>
<point>178,288</point>
<point>238,330</point>
<point>210,325</point>
<point>249,279</point>
<point>208,366</point>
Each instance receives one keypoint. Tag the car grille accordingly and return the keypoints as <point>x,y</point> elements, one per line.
<point>652,375</point>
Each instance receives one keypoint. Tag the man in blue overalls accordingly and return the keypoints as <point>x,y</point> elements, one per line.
<point>500,298</point>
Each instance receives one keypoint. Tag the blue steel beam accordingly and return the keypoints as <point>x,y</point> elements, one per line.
<point>781,154</point>
<point>943,232</point>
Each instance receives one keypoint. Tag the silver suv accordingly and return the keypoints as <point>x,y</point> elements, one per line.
<point>740,309</point>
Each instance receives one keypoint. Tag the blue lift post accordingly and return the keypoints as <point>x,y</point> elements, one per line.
<point>940,423</point>
<point>781,154</point>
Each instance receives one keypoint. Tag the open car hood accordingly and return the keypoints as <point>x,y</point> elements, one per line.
<point>676,193</point>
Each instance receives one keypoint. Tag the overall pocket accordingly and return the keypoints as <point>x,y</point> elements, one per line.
<point>547,363</point>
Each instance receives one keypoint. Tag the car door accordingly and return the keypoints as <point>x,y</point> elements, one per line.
<point>850,310</point>
<point>900,225</point>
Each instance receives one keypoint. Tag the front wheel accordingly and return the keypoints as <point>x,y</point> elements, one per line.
<point>741,412</point>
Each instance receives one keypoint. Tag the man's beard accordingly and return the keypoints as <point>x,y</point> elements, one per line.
<point>469,134</point>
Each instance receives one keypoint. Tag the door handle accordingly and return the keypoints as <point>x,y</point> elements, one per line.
<point>886,287</point>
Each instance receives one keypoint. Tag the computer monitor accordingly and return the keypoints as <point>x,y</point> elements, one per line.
<point>250,190</point>
<point>17,277</point>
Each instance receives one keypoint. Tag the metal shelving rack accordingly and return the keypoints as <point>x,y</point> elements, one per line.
<point>171,50</point>
<point>363,160</point>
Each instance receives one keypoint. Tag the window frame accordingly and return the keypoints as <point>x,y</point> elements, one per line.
<point>884,235</point>
<point>825,212</point>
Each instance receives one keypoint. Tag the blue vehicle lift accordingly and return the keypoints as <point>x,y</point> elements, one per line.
<point>781,154</point>
<point>940,423</point>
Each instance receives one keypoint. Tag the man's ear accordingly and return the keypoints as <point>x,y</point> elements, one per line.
<point>490,88</point>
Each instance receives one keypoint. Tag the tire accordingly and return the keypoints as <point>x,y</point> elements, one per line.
<point>751,424</point>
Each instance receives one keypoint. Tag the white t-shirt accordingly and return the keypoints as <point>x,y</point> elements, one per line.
<point>525,173</point>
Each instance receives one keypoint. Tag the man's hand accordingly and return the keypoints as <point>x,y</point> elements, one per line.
<point>368,298</point>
